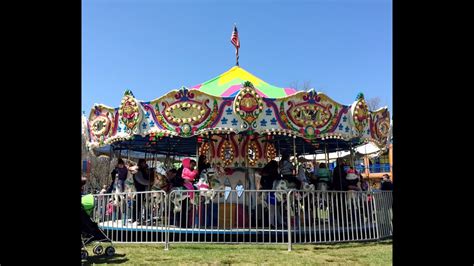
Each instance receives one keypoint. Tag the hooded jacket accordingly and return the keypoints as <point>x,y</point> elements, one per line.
<point>187,174</point>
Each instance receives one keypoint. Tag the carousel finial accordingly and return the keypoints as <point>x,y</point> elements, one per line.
<point>128,92</point>
<point>360,96</point>
<point>247,84</point>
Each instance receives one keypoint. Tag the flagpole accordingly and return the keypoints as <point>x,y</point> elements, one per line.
<point>235,41</point>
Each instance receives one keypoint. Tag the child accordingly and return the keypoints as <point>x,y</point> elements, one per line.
<point>188,175</point>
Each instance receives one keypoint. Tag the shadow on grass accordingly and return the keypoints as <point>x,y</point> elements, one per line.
<point>245,246</point>
<point>116,259</point>
<point>352,245</point>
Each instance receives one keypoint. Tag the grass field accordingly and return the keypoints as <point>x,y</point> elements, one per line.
<point>370,253</point>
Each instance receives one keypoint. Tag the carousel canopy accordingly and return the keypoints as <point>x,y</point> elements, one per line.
<point>240,115</point>
<point>229,84</point>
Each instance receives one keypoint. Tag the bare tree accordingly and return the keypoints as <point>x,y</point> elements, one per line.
<point>305,86</point>
<point>373,103</point>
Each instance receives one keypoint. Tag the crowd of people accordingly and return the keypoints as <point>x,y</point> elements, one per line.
<point>145,178</point>
<point>342,178</point>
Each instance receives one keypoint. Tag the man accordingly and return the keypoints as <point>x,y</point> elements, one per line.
<point>339,183</point>
<point>386,183</point>
<point>171,176</point>
<point>339,176</point>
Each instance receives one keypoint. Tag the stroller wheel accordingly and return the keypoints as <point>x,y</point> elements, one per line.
<point>98,250</point>
<point>84,254</point>
<point>110,251</point>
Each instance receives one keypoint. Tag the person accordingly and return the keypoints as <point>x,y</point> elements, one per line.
<point>323,176</point>
<point>286,167</point>
<point>287,170</point>
<point>364,185</point>
<point>202,165</point>
<point>189,173</point>
<point>302,172</point>
<point>386,183</point>
<point>141,180</point>
<point>120,172</point>
<point>269,173</point>
<point>352,179</point>
<point>339,176</point>
<point>171,176</point>
<point>104,189</point>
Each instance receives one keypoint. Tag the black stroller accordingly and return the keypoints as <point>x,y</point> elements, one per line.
<point>91,233</point>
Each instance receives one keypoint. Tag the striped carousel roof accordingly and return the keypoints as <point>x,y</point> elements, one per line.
<point>228,84</point>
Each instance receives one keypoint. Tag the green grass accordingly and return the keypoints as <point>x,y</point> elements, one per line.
<point>369,253</point>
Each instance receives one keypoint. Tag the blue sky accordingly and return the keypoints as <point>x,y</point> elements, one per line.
<point>340,47</point>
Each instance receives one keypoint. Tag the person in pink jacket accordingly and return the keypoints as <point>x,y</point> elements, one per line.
<point>188,175</point>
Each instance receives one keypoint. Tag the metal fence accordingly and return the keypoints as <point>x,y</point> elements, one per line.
<point>138,217</point>
<point>244,216</point>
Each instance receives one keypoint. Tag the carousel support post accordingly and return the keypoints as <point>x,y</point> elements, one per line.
<point>390,160</point>
<point>314,162</point>
<point>279,150</point>
<point>294,153</point>
<point>247,177</point>
<point>326,155</point>
<point>111,150</point>
<point>367,165</point>
<point>351,156</point>
<point>339,168</point>
<point>197,150</point>
<point>304,153</point>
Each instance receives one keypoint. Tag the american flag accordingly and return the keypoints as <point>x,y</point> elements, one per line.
<point>234,39</point>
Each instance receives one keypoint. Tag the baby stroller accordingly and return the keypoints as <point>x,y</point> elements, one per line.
<point>90,231</point>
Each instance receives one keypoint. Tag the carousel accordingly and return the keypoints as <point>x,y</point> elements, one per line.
<point>238,122</point>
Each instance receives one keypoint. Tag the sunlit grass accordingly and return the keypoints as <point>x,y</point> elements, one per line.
<point>373,253</point>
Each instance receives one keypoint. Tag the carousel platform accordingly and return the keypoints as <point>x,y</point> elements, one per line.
<point>128,232</point>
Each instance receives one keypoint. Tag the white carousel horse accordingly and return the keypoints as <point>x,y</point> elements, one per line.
<point>208,184</point>
<point>286,186</point>
<point>177,198</point>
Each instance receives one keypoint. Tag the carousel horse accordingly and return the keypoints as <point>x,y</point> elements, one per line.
<point>287,186</point>
<point>178,197</point>
<point>207,184</point>
<point>160,183</point>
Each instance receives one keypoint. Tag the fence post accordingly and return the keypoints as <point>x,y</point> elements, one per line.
<point>288,218</point>
<point>374,205</point>
<point>167,219</point>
